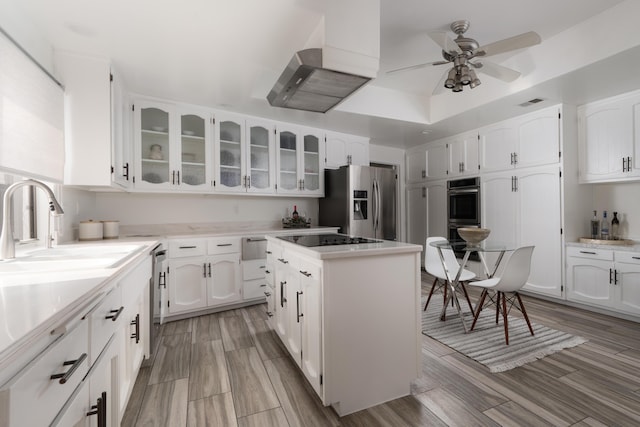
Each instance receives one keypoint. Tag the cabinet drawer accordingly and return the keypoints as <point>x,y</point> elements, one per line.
<point>136,281</point>
<point>187,247</point>
<point>254,269</point>
<point>308,269</point>
<point>223,245</point>
<point>628,257</point>
<point>103,321</point>
<point>252,289</point>
<point>591,253</point>
<point>34,399</point>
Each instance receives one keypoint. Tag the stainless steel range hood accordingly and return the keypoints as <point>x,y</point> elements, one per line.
<point>305,85</point>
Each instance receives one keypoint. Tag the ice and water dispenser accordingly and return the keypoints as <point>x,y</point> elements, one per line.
<point>359,204</point>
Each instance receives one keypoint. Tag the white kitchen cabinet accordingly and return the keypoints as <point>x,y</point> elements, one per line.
<point>224,279</point>
<point>343,149</point>
<point>609,139</point>
<point>437,216</point>
<point>261,157</point>
<point>463,155</point>
<point>437,162</point>
<point>416,161</point>
<point>96,143</point>
<point>292,293</point>
<point>627,274</point>
<point>254,280</point>
<point>417,214</point>
<point>172,147</point>
<point>310,315</point>
<point>187,283</point>
<point>512,210</point>
<point>300,169</point>
<point>281,316</point>
<point>529,140</point>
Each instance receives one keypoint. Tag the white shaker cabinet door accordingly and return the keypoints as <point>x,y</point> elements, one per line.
<point>538,138</point>
<point>497,147</point>
<point>628,281</point>
<point>187,284</point>
<point>588,281</point>
<point>436,209</point>
<point>224,279</point>
<point>311,311</point>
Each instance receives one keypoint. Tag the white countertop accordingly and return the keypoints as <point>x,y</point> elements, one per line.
<point>622,248</point>
<point>385,247</point>
<point>36,303</point>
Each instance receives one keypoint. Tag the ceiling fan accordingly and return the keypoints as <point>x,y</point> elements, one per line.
<point>462,50</point>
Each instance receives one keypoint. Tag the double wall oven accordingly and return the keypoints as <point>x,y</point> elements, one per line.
<point>463,207</point>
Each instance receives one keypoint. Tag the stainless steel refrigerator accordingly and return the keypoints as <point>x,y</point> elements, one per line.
<point>361,200</point>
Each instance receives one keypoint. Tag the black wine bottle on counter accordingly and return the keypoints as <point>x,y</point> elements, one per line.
<point>295,215</point>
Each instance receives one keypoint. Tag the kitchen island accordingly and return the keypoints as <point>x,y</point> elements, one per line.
<point>349,314</point>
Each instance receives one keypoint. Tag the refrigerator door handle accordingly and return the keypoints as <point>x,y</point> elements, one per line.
<point>374,210</point>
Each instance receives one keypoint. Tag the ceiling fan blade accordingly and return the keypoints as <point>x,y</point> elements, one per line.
<point>498,71</point>
<point>416,67</point>
<point>444,41</point>
<point>512,43</point>
<point>440,86</point>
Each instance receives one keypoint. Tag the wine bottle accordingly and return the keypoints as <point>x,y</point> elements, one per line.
<point>604,227</point>
<point>295,215</point>
<point>595,226</point>
<point>615,227</point>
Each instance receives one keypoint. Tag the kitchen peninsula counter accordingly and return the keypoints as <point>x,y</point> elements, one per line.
<point>349,315</point>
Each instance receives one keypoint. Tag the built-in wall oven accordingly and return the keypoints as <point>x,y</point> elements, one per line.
<point>463,207</point>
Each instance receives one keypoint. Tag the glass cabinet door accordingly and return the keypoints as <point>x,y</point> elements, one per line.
<point>288,161</point>
<point>230,154</point>
<point>311,161</point>
<point>259,169</point>
<point>193,156</point>
<point>155,146</point>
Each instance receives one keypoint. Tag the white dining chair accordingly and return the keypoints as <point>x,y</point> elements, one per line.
<point>505,288</point>
<point>433,266</point>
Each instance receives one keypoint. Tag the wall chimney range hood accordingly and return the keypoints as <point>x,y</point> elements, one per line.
<point>305,85</point>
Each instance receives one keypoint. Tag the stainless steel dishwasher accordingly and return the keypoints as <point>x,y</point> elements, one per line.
<point>254,248</point>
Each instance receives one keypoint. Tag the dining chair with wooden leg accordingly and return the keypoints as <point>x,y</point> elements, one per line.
<point>506,287</point>
<point>433,266</point>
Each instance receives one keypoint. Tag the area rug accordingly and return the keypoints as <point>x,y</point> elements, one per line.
<point>486,344</point>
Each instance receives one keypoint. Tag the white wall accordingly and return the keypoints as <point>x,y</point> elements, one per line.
<point>393,156</point>
<point>139,208</point>
<point>623,198</point>
<point>78,205</point>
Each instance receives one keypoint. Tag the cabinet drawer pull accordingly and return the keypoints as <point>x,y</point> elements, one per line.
<point>587,252</point>
<point>263,285</point>
<point>305,273</point>
<point>282,298</point>
<point>615,277</point>
<point>75,364</point>
<point>267,294</point>
<point>267,272</point>
<point>114,314</point>
<point>282,260</point>
<point>270,314</point>
<point>162,280</point>
<point>100,409</point>
<point>635,257</point>
<point>209,269</point>
<point>610,276</point>
<point>268,252</point>
<point>249,239</point>
<point>136,334</point>
<point>263,266</point>
<point>204,270</point>
<point>187,247</point>
<point>224,244</point>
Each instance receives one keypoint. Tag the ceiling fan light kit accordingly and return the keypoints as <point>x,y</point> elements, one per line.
<point>461,50</point>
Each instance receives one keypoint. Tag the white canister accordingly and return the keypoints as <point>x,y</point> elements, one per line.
<point>90,230</point>
<point>110,229</point>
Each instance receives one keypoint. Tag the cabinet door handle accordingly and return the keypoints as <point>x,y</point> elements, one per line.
<point>136,334</point>
<point>173,177</point>
<point>270,314</point>
<point>262,267</point>
<point>162,281</point>
<point>267,294</point>
<point>305,273</point>
<point>125,171</point>
<point>515,180</point>
<point>282,298</point>
<point>282,260</point>
<point>187,247</point>
<point>209,269</point>
<point>100,409</point>
<point>204,270</point>
<point>615,277</point>
<point>511,158</point>
<point>264,285</point>
<point>267,272</point>
<point>178,174</point>
<point>624,164</point>
<point>610,276</point>
<point>515,158</point>
<point>588,252</point>
<point>248,181</point>
<point>629,164</point>
<point>75,364</point>
<point>298,314</point>
<point>635,257</point>
<point>424,173</point>
<point>224,244</point>
<point>114,314</point>
<point>244,181</point>
<point>267,252</point>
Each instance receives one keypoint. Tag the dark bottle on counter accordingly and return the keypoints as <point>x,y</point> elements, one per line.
<point>595,226</point>
<point>615,227</point>
<point>604,227</point>
<point>295,215</point>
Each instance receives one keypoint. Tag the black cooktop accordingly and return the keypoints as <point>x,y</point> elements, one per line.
<point>310,240</point>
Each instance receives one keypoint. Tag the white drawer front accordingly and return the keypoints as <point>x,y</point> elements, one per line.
<point>628,257</point>
<point>187,247</point>
<point>254,269</point>
<point>104,320</point>
<point>591,253</point>
<point>35,398</point>
<point>253,289</point>
<point>223,245</point>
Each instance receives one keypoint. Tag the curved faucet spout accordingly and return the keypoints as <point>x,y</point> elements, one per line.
<point>7,244</point>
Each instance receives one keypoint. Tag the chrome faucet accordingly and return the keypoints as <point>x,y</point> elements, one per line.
<point>7,244</point>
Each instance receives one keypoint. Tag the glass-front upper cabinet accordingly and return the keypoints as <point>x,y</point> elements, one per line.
<point>230,154</point>
<point>153,145</point>
<point>260,169</point>
<point>300,169</point>
<point>172,147</point>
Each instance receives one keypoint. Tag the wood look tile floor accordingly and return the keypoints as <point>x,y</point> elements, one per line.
<point>230,369</point>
